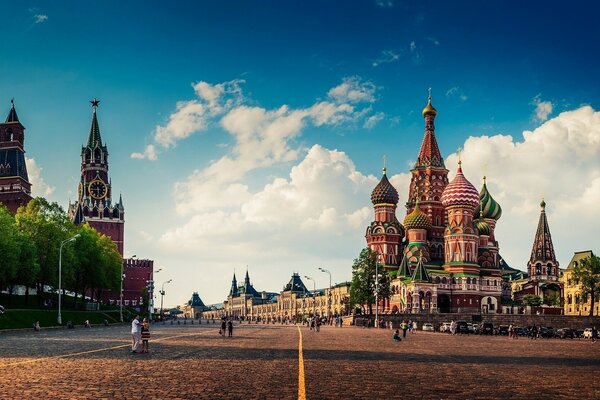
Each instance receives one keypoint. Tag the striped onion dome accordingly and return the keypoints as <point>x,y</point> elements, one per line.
<point>483,227</point>
<point>417,219</point>
<point>384,192</point>
<point>460,191</point>
<point>491,209</point>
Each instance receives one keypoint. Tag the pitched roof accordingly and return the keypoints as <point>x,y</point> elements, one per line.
<point>12,114</point>
<point>295,284</point>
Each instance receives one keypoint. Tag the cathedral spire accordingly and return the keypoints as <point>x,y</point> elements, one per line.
<point>543,259</point>
<point>94,138</point>
<point>429,155</point>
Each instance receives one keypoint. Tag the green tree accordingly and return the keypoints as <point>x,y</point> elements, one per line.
<point>532,300</point>
<point>587,273</point>
<point>362,288</point>
<point>96,264</point>
<point>46,225</point>
<point>28,267</point>
<point>9,248</point>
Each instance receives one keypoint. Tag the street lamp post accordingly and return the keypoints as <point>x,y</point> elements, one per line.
<point>151,295</point>
<point>162,294</point>
<point>314,291</point>
<point>71,239</point>
<point>451,285</point>
<point>328,297</point>
<point>376,295</point>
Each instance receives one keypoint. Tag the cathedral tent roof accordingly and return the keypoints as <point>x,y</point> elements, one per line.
<point>420,274</point>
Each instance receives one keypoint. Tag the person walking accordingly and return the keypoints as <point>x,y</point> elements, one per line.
<point>414,327</point>
<point>404,327</point>
<point>230,328</point>
<point>135,333</point>
<point>594,334</point>
<point>145,335</point>
<point>223,327</point>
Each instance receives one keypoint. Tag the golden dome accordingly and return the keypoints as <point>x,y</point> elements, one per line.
<point>429,109</point>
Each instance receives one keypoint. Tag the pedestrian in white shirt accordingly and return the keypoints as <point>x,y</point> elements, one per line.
<point>136,333</point>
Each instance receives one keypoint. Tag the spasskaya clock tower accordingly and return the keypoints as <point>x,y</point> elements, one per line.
<point>95,203</point>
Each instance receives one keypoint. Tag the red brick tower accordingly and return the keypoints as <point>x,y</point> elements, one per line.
<point>429,179</point>
<point>542,265</point>
<point>461,238</point>
<point>385,233</point>
<point>95,203</point>
<point>15,189</point>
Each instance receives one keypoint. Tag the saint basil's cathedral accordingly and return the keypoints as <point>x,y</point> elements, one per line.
<point>444,257</point>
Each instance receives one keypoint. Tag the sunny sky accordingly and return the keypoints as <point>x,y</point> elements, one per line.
<point>251,133</point>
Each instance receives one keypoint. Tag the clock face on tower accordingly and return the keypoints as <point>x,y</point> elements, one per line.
<point>97,189</point>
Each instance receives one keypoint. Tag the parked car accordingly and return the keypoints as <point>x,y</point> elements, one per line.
<point>445,327</point>
<point>587,333</point>
<point>521,331</point>
<point>472,327</point>
<point>462,327</point>
<point>487,328</point>
<point>564,333</point>
<point>503,330</point>
<point>427,327</point>
<point>579,333</point>
<point>546,332</point>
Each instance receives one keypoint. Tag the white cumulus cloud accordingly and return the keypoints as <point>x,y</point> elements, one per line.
<point>39,187</point>
<point>543,109</point>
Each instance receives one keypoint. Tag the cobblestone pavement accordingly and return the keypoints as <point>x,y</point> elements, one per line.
<point>261,362</point>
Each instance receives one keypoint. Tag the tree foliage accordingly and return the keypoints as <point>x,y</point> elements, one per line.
<point>532,300</point>
<point>30,246</point>
<point>587,273</point>
<point>362,289</point>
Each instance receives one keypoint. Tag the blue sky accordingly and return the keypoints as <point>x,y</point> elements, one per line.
<point>494,70</point>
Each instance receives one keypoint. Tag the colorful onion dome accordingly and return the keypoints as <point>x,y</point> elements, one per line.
<point>429,109</point>
<point>483,227</point>
<point>384,192</point>
<point>460,191</point>
<point>491,209</point>
<point>417,219</point>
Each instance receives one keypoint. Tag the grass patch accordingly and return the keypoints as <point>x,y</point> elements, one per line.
<point>18,319</point>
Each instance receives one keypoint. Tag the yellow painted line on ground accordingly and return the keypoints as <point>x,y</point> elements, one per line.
<point>35,360</point>
<point>301,386</point>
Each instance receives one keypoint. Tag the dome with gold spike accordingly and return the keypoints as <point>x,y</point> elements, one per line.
<point>429,109</point>
<point>489,207</point>
<point>384,192</point>
<point>417,219</point>
<point>460,191</point>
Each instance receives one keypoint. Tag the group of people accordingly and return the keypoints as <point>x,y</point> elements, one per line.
<point>140,333</point>
<point>226,326</point>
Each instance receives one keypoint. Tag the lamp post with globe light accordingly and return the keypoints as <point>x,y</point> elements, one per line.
<point>314,293</point>
<point>329,296</point>
<point>162,294</point>
<point>71,239</point>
